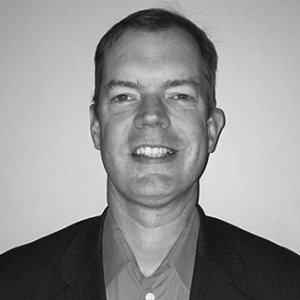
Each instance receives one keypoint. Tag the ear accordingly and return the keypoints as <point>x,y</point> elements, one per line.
<point>95,127</point>
<point>215,124</point>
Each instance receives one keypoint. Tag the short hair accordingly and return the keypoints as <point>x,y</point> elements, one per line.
<point>156,20</point>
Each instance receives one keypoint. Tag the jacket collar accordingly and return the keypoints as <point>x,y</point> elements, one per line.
<point>83,257</point>
<point>217,263</point>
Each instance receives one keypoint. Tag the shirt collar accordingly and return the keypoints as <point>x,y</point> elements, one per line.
<point>182,255</point>
<point>117,254</point>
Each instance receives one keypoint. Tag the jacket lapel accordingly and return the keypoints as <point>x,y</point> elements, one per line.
<point>81,267</point>
<point>217,265</point>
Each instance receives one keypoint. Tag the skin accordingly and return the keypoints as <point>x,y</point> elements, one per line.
<point>152,96</point>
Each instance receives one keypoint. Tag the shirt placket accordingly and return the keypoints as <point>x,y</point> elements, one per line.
<point>150,284</point>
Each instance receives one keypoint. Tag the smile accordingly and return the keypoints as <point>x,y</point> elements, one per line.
<point>153,152</point>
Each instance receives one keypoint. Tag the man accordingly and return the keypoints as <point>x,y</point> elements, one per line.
<point>154,120</point>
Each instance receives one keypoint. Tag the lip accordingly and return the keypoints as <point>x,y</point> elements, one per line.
<point>153,146</point>
<point>143,158</point>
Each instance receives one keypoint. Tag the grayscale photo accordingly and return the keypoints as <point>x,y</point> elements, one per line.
<point>150,150</point>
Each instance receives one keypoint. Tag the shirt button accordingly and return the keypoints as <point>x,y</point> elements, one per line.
<point>150,296</point>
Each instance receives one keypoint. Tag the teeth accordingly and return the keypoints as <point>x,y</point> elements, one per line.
<point>154,152</point>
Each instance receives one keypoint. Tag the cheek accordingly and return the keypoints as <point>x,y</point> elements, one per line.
<point>193,128</point>
<point>114,142</point>
<point>197,143</point>
<point>111,131</point>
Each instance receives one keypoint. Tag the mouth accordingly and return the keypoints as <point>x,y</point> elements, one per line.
<point>153,152</point>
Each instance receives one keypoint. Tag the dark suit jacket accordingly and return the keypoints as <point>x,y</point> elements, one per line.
<point>230,264</point>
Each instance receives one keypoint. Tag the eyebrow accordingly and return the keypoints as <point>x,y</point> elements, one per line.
<point>181,82</point>
<point>137,85</point>
<point>121,83</point>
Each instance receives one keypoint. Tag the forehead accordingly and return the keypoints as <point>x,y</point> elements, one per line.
<point>145,53</point>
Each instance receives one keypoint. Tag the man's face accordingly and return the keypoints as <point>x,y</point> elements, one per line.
<point>152,125</point>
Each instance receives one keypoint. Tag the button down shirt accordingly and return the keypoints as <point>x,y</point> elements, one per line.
<point>171,280</point>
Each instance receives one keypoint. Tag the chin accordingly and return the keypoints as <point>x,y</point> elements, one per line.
<point>152,201</point>
<point>155,184</point>
<point>153,193</point>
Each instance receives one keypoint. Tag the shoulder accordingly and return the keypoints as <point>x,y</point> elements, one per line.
<point>267,264</point>
<point>250,244</point>
<point>34,262</point>
<point>49,242</point>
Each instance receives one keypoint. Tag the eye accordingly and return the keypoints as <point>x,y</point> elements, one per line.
<point>182,97</point>
<point>122,98</point>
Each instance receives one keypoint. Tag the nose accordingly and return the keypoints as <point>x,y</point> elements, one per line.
<point>152,112</point>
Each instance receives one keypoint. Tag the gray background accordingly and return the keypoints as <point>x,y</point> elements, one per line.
<point>50,174</point>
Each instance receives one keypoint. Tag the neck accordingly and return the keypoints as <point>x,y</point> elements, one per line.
<point>151,231</point>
